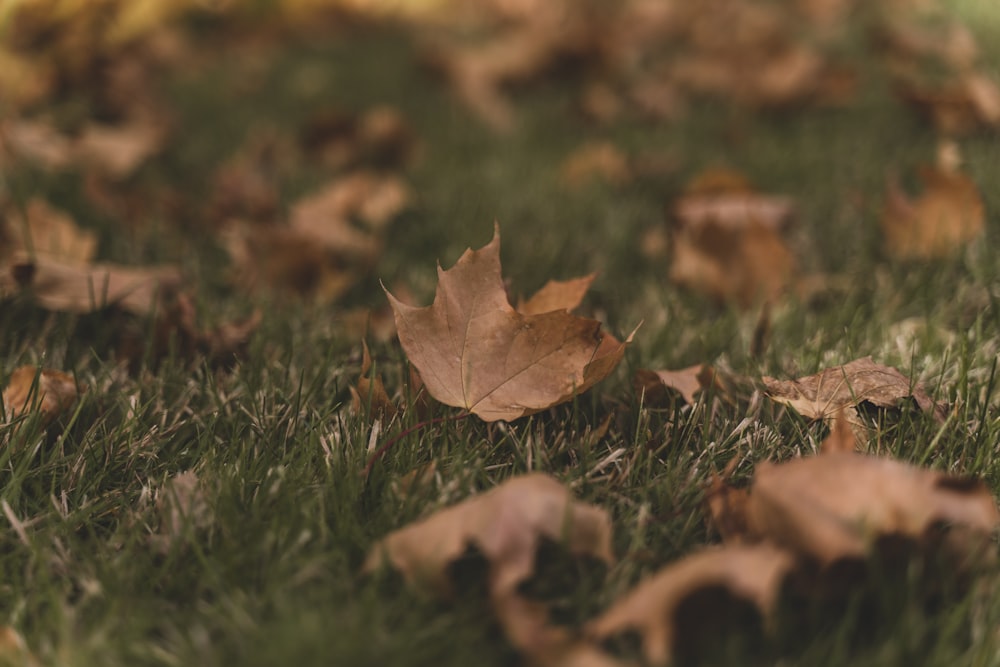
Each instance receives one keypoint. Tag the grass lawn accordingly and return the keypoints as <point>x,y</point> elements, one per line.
<point>274,578</point>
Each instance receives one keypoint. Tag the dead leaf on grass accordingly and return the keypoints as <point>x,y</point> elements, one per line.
<point>750,573</point>
<point>333,238</point>
<point>687,382</point>
<point>36,142</point>
<point>14,650</point>
<point>474,351</point>
<point>118,150</point>
<point>727,241</point>
<point>823,395</point>
<point>836,505</point>
<point>369,397</point>
<point>947,215</point>
<point>596,161</point>
<point>48,231</point>
<point>506,525</point>
<point>84,288</point>
<point>49,391</point>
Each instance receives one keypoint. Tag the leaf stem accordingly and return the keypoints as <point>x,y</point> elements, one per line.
<point>388,444</point>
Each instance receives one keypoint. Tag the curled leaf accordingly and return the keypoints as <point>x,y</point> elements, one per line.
<point>823,395</point>
<point>750,573</point>
<point>49,391</point>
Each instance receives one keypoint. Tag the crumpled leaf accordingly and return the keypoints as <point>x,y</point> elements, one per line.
<point>83,288</point>
<point>506,525</point>
<point>751,573</point>
<point>823,395</point>
<point>474,351</point>
<point>726,242</point>
<point>48,231</point>
<point>49,391</point>
<point>118,150</point>
<point>947,215</point>
<point>835,505</point>
<point>35,141</point>
<point>380,137</point>
<point>334,236</point>
<point>595,161</point>
<point>687,382</point>
<point>369,397</point>
<point>14,650</point>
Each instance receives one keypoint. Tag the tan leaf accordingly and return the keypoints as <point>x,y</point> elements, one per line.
<point>48,231</point>
<point>506,525</point>
<point>557,295</point>
<point>474,351</point>
<point>370,398</point>
<point>823,395</point>
<point>726,242</point>
<point>598,161</point>
<point>51,391</point>
<point>751,573</point>
<point>83,288</point>
<point>944,218</point>
<point>968,102</point>
<point>836,505</point>
<point>14,650</point>
<point>841,437</point>
<point>37,142</point>
<point>687,382</point>
<point>119,150</point>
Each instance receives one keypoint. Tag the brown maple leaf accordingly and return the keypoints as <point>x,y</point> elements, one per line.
<point>49,391</point>
<point>838,504</point>
<point>506,525</point>
<point>46,230</point>
<point>947,215</point>
<point>369,397</point>
<point>752,573</point>
<point>475,351</point>
<point>823,395</point>
<point>688,382</point>
<point>727,241</point>
<point>84,288</point>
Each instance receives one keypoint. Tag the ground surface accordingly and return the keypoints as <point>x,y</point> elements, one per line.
<point>274,578</point>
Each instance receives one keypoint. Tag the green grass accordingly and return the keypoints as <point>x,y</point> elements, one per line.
<point>275,579</point>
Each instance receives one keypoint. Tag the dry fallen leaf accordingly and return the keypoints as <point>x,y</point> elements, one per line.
<point>82,288</point>
<point>48,231</point>
<point>687,382</point>
<point>596,161</point>
<point>750,573</point>
<point>841,437</point>
<point>727,243</point>
<point>823,395</point>
<point>333,238</point>
<point>51,391</point>
<point>34,141</point>
<point>944,218</point>
<point>474,351</point>
<point>118,150</point>
<point>506,525</point>
<point>14,650</point>
<point>370,398</point>
<point>836,505</point>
